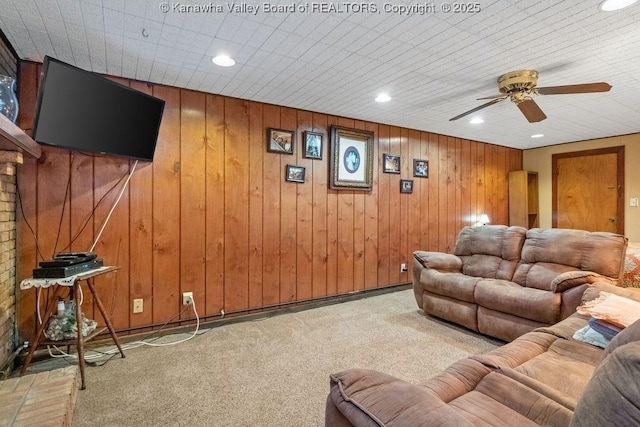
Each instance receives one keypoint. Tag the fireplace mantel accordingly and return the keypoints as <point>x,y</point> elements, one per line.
<point>13,138</point>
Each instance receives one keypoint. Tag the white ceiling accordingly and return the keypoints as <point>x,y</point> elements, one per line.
<point>434,65</point>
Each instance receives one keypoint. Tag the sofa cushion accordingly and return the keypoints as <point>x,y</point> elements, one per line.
<point>370,398</point>
<point>517,352</point>
<point>573,359</point>
<point>612,396</point>
<point>504,326</point>
<point>549,252</point>
<point>453,285</point>
<point>490,251</point>
<point>540,388</point>
<point>461,312</point>
<point>567,327</point>
<point>508,297</point>
<point>501,400</point>
<point>539,275</point>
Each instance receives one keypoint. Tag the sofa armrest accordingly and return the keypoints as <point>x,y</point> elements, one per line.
<point>611,397</point>
<point>571,279</point>
<point>370,398</point>
<point>439,261</point>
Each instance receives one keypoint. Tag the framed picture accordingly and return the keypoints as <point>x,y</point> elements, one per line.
<point>406,186</point>
<point>351,160</point>
<point>312,145</point>
<point>280,141</point>
<point>391,163</point>
<point>421,168</point>
<point>295,173</point>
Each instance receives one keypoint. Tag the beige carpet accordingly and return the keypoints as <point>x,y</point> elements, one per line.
<point>271,372</point>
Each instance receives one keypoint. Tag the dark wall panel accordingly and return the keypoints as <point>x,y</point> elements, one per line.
<point>8,58</point>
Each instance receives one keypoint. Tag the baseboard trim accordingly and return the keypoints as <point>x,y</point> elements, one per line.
<point>215,321</point>
<point>247,315</point>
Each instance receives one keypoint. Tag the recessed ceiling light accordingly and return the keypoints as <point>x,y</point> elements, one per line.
<point>611,5</point>
<point>537,135</point>
<point>476,120</point>
<point>223,61</point>
<point>383,97</point>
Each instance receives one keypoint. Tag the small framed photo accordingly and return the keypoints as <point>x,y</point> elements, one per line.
<point>421,168</point>
<point>295,173</point>
<point>312,145</point>
<point>280,141</point>
<point>391,163</point>
<point>406,186</point>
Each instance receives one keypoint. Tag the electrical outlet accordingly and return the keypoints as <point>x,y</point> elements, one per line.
<point>403,268</point>
<point>633,202</point>
<point>137,305</point>
<point>187,298</point>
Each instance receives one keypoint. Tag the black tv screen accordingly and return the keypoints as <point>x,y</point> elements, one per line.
<point>82,111</point>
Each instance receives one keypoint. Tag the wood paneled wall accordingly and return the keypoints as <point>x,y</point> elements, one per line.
<point>8,58</point>
<point>214,215</point>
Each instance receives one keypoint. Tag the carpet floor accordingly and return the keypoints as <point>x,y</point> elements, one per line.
<point>273,371</point>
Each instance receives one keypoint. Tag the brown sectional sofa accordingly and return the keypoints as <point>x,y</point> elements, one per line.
<point>506,281</point>
<point>544,377</point>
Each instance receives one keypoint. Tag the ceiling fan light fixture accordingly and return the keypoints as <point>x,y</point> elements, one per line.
<point>520,86</point>
<point>223,61</point>
<point>476,121</point>
<point>612,5</point>
<point>537,135</point>
<point>383,97</point>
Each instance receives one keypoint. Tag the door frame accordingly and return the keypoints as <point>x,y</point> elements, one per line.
<point>619,151</point>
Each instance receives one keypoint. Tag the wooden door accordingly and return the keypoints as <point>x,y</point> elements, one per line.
<point>588,190</point>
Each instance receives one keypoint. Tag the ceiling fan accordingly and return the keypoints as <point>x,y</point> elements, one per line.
<point>519,86</point>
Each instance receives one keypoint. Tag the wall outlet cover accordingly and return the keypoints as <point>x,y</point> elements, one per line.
<point>137,305</point>
<point>187,298</point>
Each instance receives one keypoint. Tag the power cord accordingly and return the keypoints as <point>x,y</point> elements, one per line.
<point>64,205</point>
<point>85,221</point>
<point>106,221</point>
<point>114,351</point>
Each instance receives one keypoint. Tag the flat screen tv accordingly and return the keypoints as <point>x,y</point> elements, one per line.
<point>83,111</point>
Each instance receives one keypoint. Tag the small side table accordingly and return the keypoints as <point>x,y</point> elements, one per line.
<point>60,285</point>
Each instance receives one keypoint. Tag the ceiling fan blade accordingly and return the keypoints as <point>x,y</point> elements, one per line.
<point>489,97</point>
<point>466,113</point>
<point>583,88</point>
<point>531,111</point>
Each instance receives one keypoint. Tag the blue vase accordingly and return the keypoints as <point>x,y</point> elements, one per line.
<point>8,98</point>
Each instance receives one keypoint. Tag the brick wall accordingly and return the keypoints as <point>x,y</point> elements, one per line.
<point>8,161</point>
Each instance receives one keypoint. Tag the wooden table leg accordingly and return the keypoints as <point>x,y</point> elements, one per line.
<point>53,306</point>
<point>105,315</point>
<point>76,293</point>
